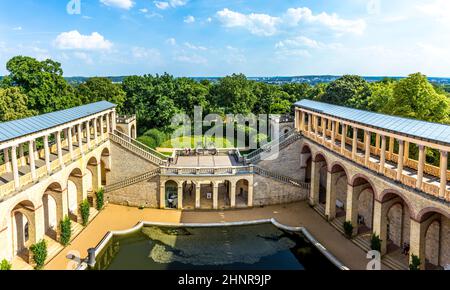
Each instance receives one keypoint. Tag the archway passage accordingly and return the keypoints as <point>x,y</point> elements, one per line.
<point>75,193</point>
<point>338,191</point>
<point>242,187</point>
<point>206,195</point>
<point>224,192</point>
<point>189,195</point>
<point>52,200</point>
<point>105,166</point>
<point>322,167</point>
<point>93,178</point>
<point>360,205</point>
<point>171,194</point>
<point>436,237</point>
<point>23,226</point>
<point>305,164</point>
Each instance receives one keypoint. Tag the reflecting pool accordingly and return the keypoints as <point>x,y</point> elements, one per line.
<point>252,247</point>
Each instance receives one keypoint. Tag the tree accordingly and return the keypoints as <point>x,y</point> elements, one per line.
<point>188,94</point>
<point>98,89</point>
<point>348,90</point>
<point>235,94</point>
<point>381,98</point>
<point>415,97</point>
<point>13,105</point>
<point>297,91</point>
<point>42,82</point>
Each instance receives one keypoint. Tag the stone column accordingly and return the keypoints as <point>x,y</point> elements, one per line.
<point>421,165</point>
<point>417,241</point>
<point>197,194</point>
<point>101,128</point>
<point>47,154</point>
<point>380,223</point>
<point>250,194</point>
<point>59,147</point>
<point>382,154</point>
<point>367,148</point>
<point>95,131</point>
<point>391,147</point>
<point>333,132</point>
<point>70,142</point>
<point>32,156</point>
<point>303,124</point>
<point>215,195</point>
<point>315,183</point>
<point>113,121</point>
<point>400,159</point>
<point>15,167</point>
<point>316,125</point>
<point>443,176</point>
<point>324,130</point>
<point>343,137</point>
<point>233,195</point>
<point>108,129</point>
<point>96,177</point>
<point>7,161</point>
<point>406,153</point>
<point>355,143</point>
<point>162,195</point>
<point>80,138</point>
<point>180,197</point>
<point>351,211</point>
<point>377,140</point>
<point>88,134</point>
<point>21,155</point>
<point>330,206</point>
<point>309,123</point>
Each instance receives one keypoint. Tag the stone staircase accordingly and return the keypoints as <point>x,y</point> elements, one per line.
<point>286,179</point>
<point>362,240</point>
<point>138,148</point>
<point>268,149</point>
<point>132,180</point>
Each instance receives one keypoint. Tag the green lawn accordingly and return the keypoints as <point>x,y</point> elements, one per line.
<point>190,142</point>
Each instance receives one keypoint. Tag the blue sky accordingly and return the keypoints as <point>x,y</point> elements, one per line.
<point>218,37</point>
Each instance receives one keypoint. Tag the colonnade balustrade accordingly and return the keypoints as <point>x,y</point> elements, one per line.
<point>28,158</point>
<point>384,152</point>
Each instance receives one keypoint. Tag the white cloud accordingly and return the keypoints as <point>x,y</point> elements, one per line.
<point>143,10</point>
<point>169,4</point>
<point>73,40</point>
<point>267,25</point>
<point>146,53</point>
<point>296,16</point>
<point>171,41</point>
<point>84,57</point>
<point>194,47</point>
<point>191,58</point>
<point>437,9</point>
<point>189,19</point>
<point>123,4</point>
<point>305,42</point>
<point>18,28</point>
<point>258,24</point>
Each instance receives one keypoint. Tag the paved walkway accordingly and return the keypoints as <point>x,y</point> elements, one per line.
<point>115,217</point>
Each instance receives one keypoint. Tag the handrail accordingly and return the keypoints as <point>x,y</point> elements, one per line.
<point>140,151</point>
<point>283,178</point>
<point>140,145</point>
<point>132,180</point>
<point>269,144</point>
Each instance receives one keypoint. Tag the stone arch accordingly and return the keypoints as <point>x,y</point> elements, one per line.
<point>242,188</point>
<point>432,242</point>
<point>425,213</point>
<point>361,203</point>
<point>171,193</point>
<point>338,190</point>
<point>389,193</point>
<point>76,192</point>
<point>105,165</point>
<point>52,202</point>
<point>322,169</point>
<point>23,228</point>
<point>93,174</point>
<point>368,180</point>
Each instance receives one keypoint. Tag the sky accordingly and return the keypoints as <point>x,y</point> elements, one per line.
<point>221,37</point>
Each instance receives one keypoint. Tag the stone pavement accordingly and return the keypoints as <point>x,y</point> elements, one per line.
<point>115,217</point>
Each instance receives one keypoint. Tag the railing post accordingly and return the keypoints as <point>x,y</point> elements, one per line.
<point>443,173</point>
<point>420,166</point>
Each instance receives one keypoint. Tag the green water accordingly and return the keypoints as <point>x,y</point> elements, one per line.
<point>254,247</point>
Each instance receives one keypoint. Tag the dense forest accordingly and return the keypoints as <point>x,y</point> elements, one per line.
<point>34,87</point>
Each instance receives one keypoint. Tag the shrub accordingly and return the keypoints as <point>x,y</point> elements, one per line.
<point>157,135</point>
<point>375,243</point>
<point>66,231</point>
<point>84,209</point>
<point>39,251</point>
<point>147,140</point>
<point>100,198</point>
<point>5,265</point>
<point>415,263</point>
<point>348,229</point>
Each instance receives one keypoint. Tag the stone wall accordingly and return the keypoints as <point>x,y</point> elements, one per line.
<point>145,194</point>
<point>126,164</point>
<point>285,162</point>
<point>269,191</point>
